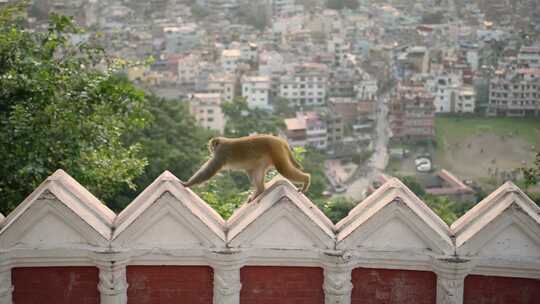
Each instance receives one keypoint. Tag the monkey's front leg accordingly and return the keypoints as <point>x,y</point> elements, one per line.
<point>209,169</point>
<point>257,179</point>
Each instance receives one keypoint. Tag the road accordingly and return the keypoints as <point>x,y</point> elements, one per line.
<point>379,160</point>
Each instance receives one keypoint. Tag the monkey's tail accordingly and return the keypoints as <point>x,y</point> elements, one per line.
<point>294,161</point>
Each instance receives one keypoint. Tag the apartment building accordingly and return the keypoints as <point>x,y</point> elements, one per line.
<point>465,100</point>
<point>353,110</point>
<point>515,93</point>
<point>181,39</point>
<point>306,129</point>
<point>223,84</point>
<point>412,113</point>
<point>256,91</point>
<point>206,108</point>
<point>444,87</point>
<point>230,60</point>
<point>529,57</point>
<point>188,69</point>
<point>305,84</point>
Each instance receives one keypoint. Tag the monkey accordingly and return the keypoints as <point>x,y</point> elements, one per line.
<point>255,155</point>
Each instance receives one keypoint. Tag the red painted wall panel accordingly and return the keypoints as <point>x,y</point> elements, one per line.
<point>282,285</point>
<point>386,286</point>
<point>500,290</point>
<point>170,284</point>
<point>55,285</point>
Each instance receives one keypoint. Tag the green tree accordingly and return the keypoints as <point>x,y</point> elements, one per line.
<point>313,164</point>
<point>224,194</point>
<point>338,208</point>
<point>414,185</point>
<point>172,141</point>
<point>341,4</point>
<point>283,108</point>
<point>57,110</point>
<point>351,4</point>
<point>532,174</point>
<point>443,206</point>
<point>243,121</point>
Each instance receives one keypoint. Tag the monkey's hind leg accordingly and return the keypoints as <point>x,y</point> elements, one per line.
<point>289,171</point>
<point>209,169</point>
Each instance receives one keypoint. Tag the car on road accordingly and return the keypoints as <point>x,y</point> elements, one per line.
<point>340,188</point>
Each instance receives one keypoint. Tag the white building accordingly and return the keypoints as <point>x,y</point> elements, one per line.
<point>219,5</point>
<point>465,101</point>
<point>284,7</point>
<point>230,59</point>
<point>285,25</point>
<point>444,88</point>
<point>256,90</point>
<point>515,93</point>
<point>337,45</point>
<point>224,84</point>
<point>305,84</point>
<point>206,108</point>
<point>188,69</point>
<point>271,63</point>
<point>529,57</point>
<point>307,129</point>
<point>367,88</point>
<point>181,39</point>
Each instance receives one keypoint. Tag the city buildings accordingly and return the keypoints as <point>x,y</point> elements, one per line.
<point>305,84</point>
<point>515,93</point>
<point>412,113</point>
<point>306,129</point>
<point>256,91</point>
<point>181,39</point>
<point>206,108</point>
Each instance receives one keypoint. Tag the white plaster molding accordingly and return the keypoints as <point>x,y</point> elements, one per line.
<point>6,287</point>
<point>112,284</point>
<point>490,207</point>
<point>403,221</point>
<point>166,196</point>
<point>2,218</point>
<point>337,285</point>
<point>502,234</point>
<point>388,192</point>
<point>226,265</point>
<point>49,223</point>
<point>168,224</point>
<point>74,197</point>
<point>451,275</point>
<point>281,218</point>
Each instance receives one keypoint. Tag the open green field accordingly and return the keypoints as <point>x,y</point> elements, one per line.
<point>479,148</point>
<point>452,130</point>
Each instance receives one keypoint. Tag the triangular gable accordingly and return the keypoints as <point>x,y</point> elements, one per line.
<point>59,202</point>
<point>166,214</point>
<point>393,217</point>
<point>503,222</point>
<point>280,218</point>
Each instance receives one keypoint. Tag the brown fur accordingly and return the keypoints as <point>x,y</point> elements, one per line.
<point>255,155</point>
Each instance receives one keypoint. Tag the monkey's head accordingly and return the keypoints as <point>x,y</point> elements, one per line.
<point>213,143</point>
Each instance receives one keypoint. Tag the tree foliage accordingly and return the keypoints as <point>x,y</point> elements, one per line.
<point>414,185</point>
<point>172,141</point>
<point>338,208</point>
<point>243,121</point>
<point>532,174</point>
<point>57,110</point>
<point>341,4</point>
